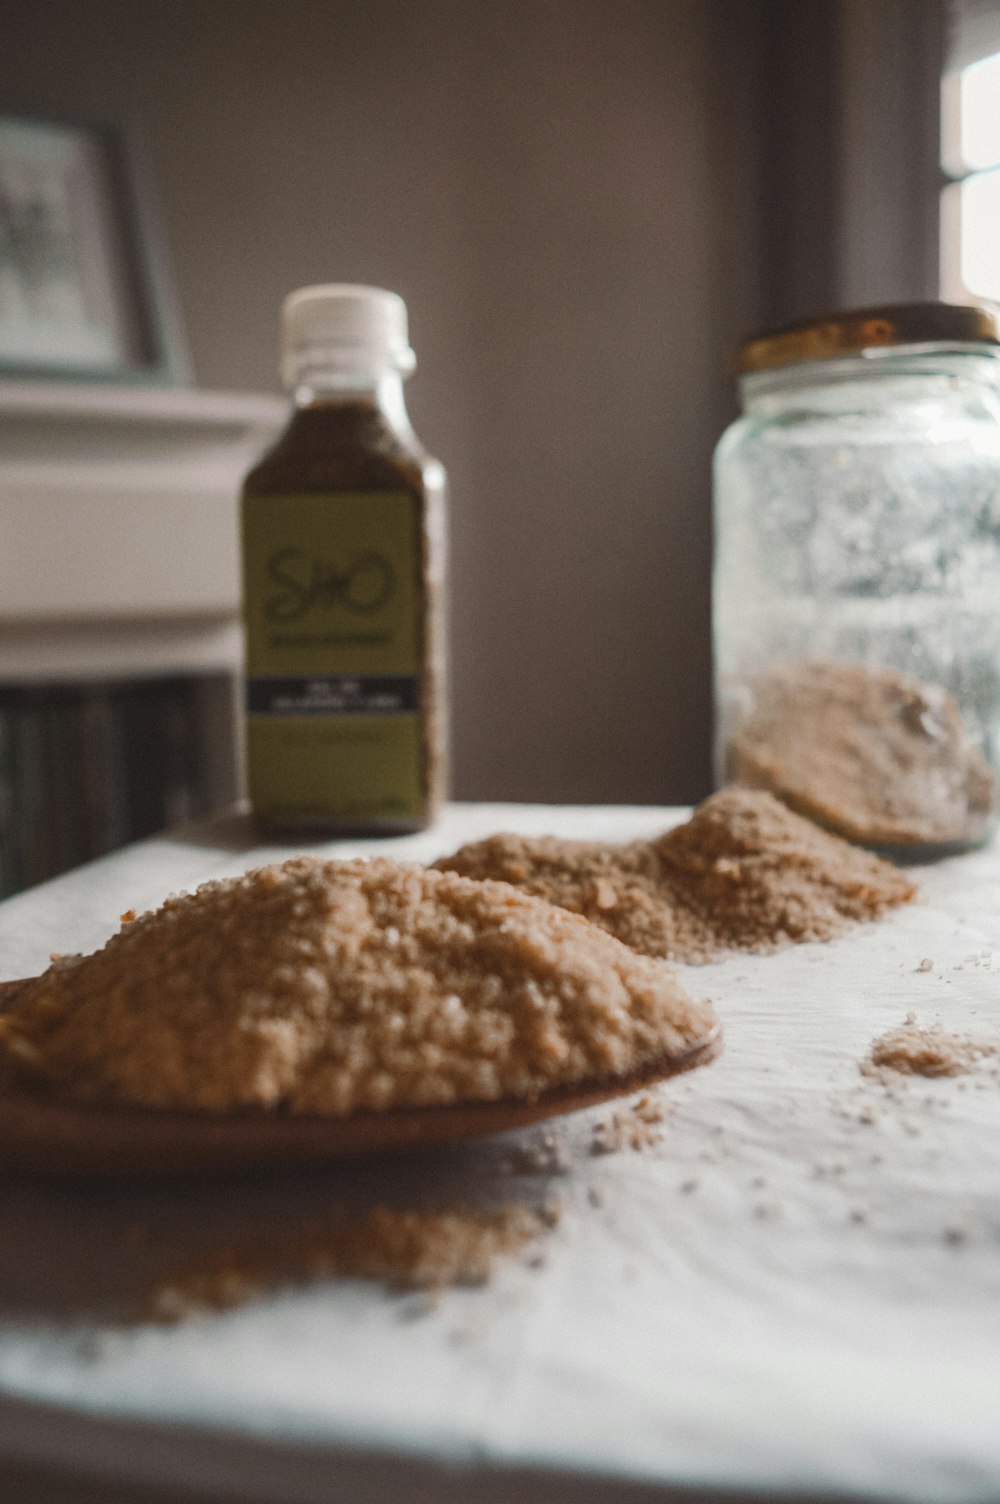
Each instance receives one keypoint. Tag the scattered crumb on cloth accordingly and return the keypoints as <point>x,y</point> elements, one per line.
<point>636,1126</point>
<point>744,873</point>
<point>330,987</point>
<point>910,1050</point>
<point>406,1250</point>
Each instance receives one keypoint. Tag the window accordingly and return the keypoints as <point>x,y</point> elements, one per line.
<point>970,154</point>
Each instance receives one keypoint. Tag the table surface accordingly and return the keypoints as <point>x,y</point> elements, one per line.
<point>795,1292</point>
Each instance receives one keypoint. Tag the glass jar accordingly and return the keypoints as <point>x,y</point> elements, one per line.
<point>856,595</point>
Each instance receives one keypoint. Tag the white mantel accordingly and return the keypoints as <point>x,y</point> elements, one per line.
<point>118,527</point>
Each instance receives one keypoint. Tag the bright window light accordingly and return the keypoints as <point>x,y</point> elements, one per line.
<point>979,229</point>
<point>979,88</point>
<point>970,204</point>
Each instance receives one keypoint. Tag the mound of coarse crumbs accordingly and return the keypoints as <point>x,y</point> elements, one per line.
<point>744,873</point>
<point>331,987</point>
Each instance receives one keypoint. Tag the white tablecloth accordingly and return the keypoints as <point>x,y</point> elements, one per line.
<point>797,1291</point>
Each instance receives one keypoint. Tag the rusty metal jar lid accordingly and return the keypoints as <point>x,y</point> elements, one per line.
<point>854,331</point>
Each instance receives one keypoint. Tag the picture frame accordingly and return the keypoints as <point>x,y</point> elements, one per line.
<point>85,289</point>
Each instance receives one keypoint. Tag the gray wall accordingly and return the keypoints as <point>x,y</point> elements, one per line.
<point>563,191</point>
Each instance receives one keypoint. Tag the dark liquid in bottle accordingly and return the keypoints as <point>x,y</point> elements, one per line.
<point>341,520</point>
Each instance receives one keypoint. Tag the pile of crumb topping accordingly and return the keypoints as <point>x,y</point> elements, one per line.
<point>910,1050</point>
<point>331,987</point>
<point>744,873</point>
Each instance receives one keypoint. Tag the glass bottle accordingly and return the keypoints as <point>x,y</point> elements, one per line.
<point>856,595</point>
<point>343,534</point>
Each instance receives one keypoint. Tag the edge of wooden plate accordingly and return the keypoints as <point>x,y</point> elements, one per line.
<point>54,1136</point>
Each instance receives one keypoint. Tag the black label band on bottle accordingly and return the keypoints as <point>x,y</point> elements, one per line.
<point>340,694</point>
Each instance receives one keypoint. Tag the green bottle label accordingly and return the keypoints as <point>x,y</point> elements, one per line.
<point>332,610</point>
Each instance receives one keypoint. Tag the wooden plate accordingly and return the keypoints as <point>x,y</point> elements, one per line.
<point>42,1133</point>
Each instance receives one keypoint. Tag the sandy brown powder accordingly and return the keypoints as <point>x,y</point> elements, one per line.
<point>635,1126</point>
<point>877,756</point>
<point>744,873</point>
<point>912,1051</point>
<point>328,987</point>
<point>406,1250</point>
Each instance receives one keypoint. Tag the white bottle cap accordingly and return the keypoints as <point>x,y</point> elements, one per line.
<point>344,329</point>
